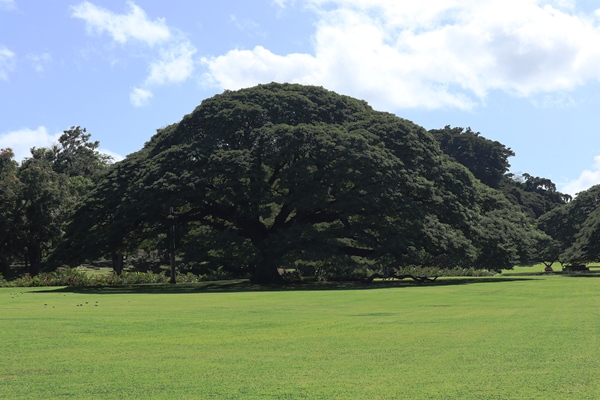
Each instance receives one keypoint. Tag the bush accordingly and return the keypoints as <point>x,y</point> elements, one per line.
<point>75,277</point>
<point>432,271</point>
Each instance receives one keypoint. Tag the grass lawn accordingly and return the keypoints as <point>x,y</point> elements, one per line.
<point>530,337</point>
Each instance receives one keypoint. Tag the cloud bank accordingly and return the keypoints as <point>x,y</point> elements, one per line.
<point>434,54</point>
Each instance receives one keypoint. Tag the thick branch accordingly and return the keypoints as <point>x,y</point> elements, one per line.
<point>280,219</point>
<point>275,175</point>
<point>200,213</point>
<point>357,251</point>
<point>313,218</point>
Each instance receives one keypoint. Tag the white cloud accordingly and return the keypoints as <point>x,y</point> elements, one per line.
<point>558,100</point>
<point>140,97</point>
<point>122,27</point>
<point>39,61</point>
<point>438,53</point>
<point>8,5</point>
<point>265,67</point>
<point>115,156</point>
<point>175,64</point>
<point>7,62</point>
<point>22,140</point>
<point>173,61</point>
<point>586,180</point>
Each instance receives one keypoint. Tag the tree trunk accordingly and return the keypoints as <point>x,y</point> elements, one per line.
<point>267,276</point>
<point>117,263</point>
<point>266,271</point>
<point>34,254</point>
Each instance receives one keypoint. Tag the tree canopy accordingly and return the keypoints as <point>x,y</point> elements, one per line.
<point>575,228</point>
<point>486,159</point>
<point>284,175</point>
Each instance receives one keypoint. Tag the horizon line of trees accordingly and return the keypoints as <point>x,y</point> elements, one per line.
<point>289,176</point>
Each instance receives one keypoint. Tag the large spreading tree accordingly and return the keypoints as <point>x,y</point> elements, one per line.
<point>284,175</point>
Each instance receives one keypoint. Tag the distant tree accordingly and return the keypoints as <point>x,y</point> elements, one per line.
<point>561,227</point>
<point>10,188</point>
<point>586,247</point>
<point>509,235</point>
<point>76,155</point>
<point>548,250</point>
<point>42,207</point>
<point>536,196</point>
<point>577,227</point>
<point>504,236</point>
<point>486,159</point>
<point>39,196</point>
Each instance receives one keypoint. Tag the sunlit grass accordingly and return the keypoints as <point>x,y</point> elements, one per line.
<point>534,337</point>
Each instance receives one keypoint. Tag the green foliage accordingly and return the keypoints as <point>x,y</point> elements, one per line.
<point>575,228</point>
<point>76,155</point>
<point>536,196</point>
<point>486,159</point>
<point>37,197</point>
<point>507,232</point>
<point>10,188</point>
<point>43,208</point>
<point>74,277</point>
<point>280,175</point>
<point>78,278</point>
<point>505,235</point>
<point>429,272</point>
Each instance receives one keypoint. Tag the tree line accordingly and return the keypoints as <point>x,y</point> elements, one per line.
<point>38,197</point>
<point>284,176</point>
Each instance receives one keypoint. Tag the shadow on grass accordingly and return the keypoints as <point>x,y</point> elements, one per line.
<point>237,286</point>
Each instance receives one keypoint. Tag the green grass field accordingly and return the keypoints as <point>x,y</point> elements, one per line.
<point>529,337</point>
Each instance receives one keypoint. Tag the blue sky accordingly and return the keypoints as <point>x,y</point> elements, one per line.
<point>523,72</point>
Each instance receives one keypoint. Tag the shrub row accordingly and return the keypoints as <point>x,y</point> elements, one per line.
<point>74,277</point>
<point>433,271</point>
